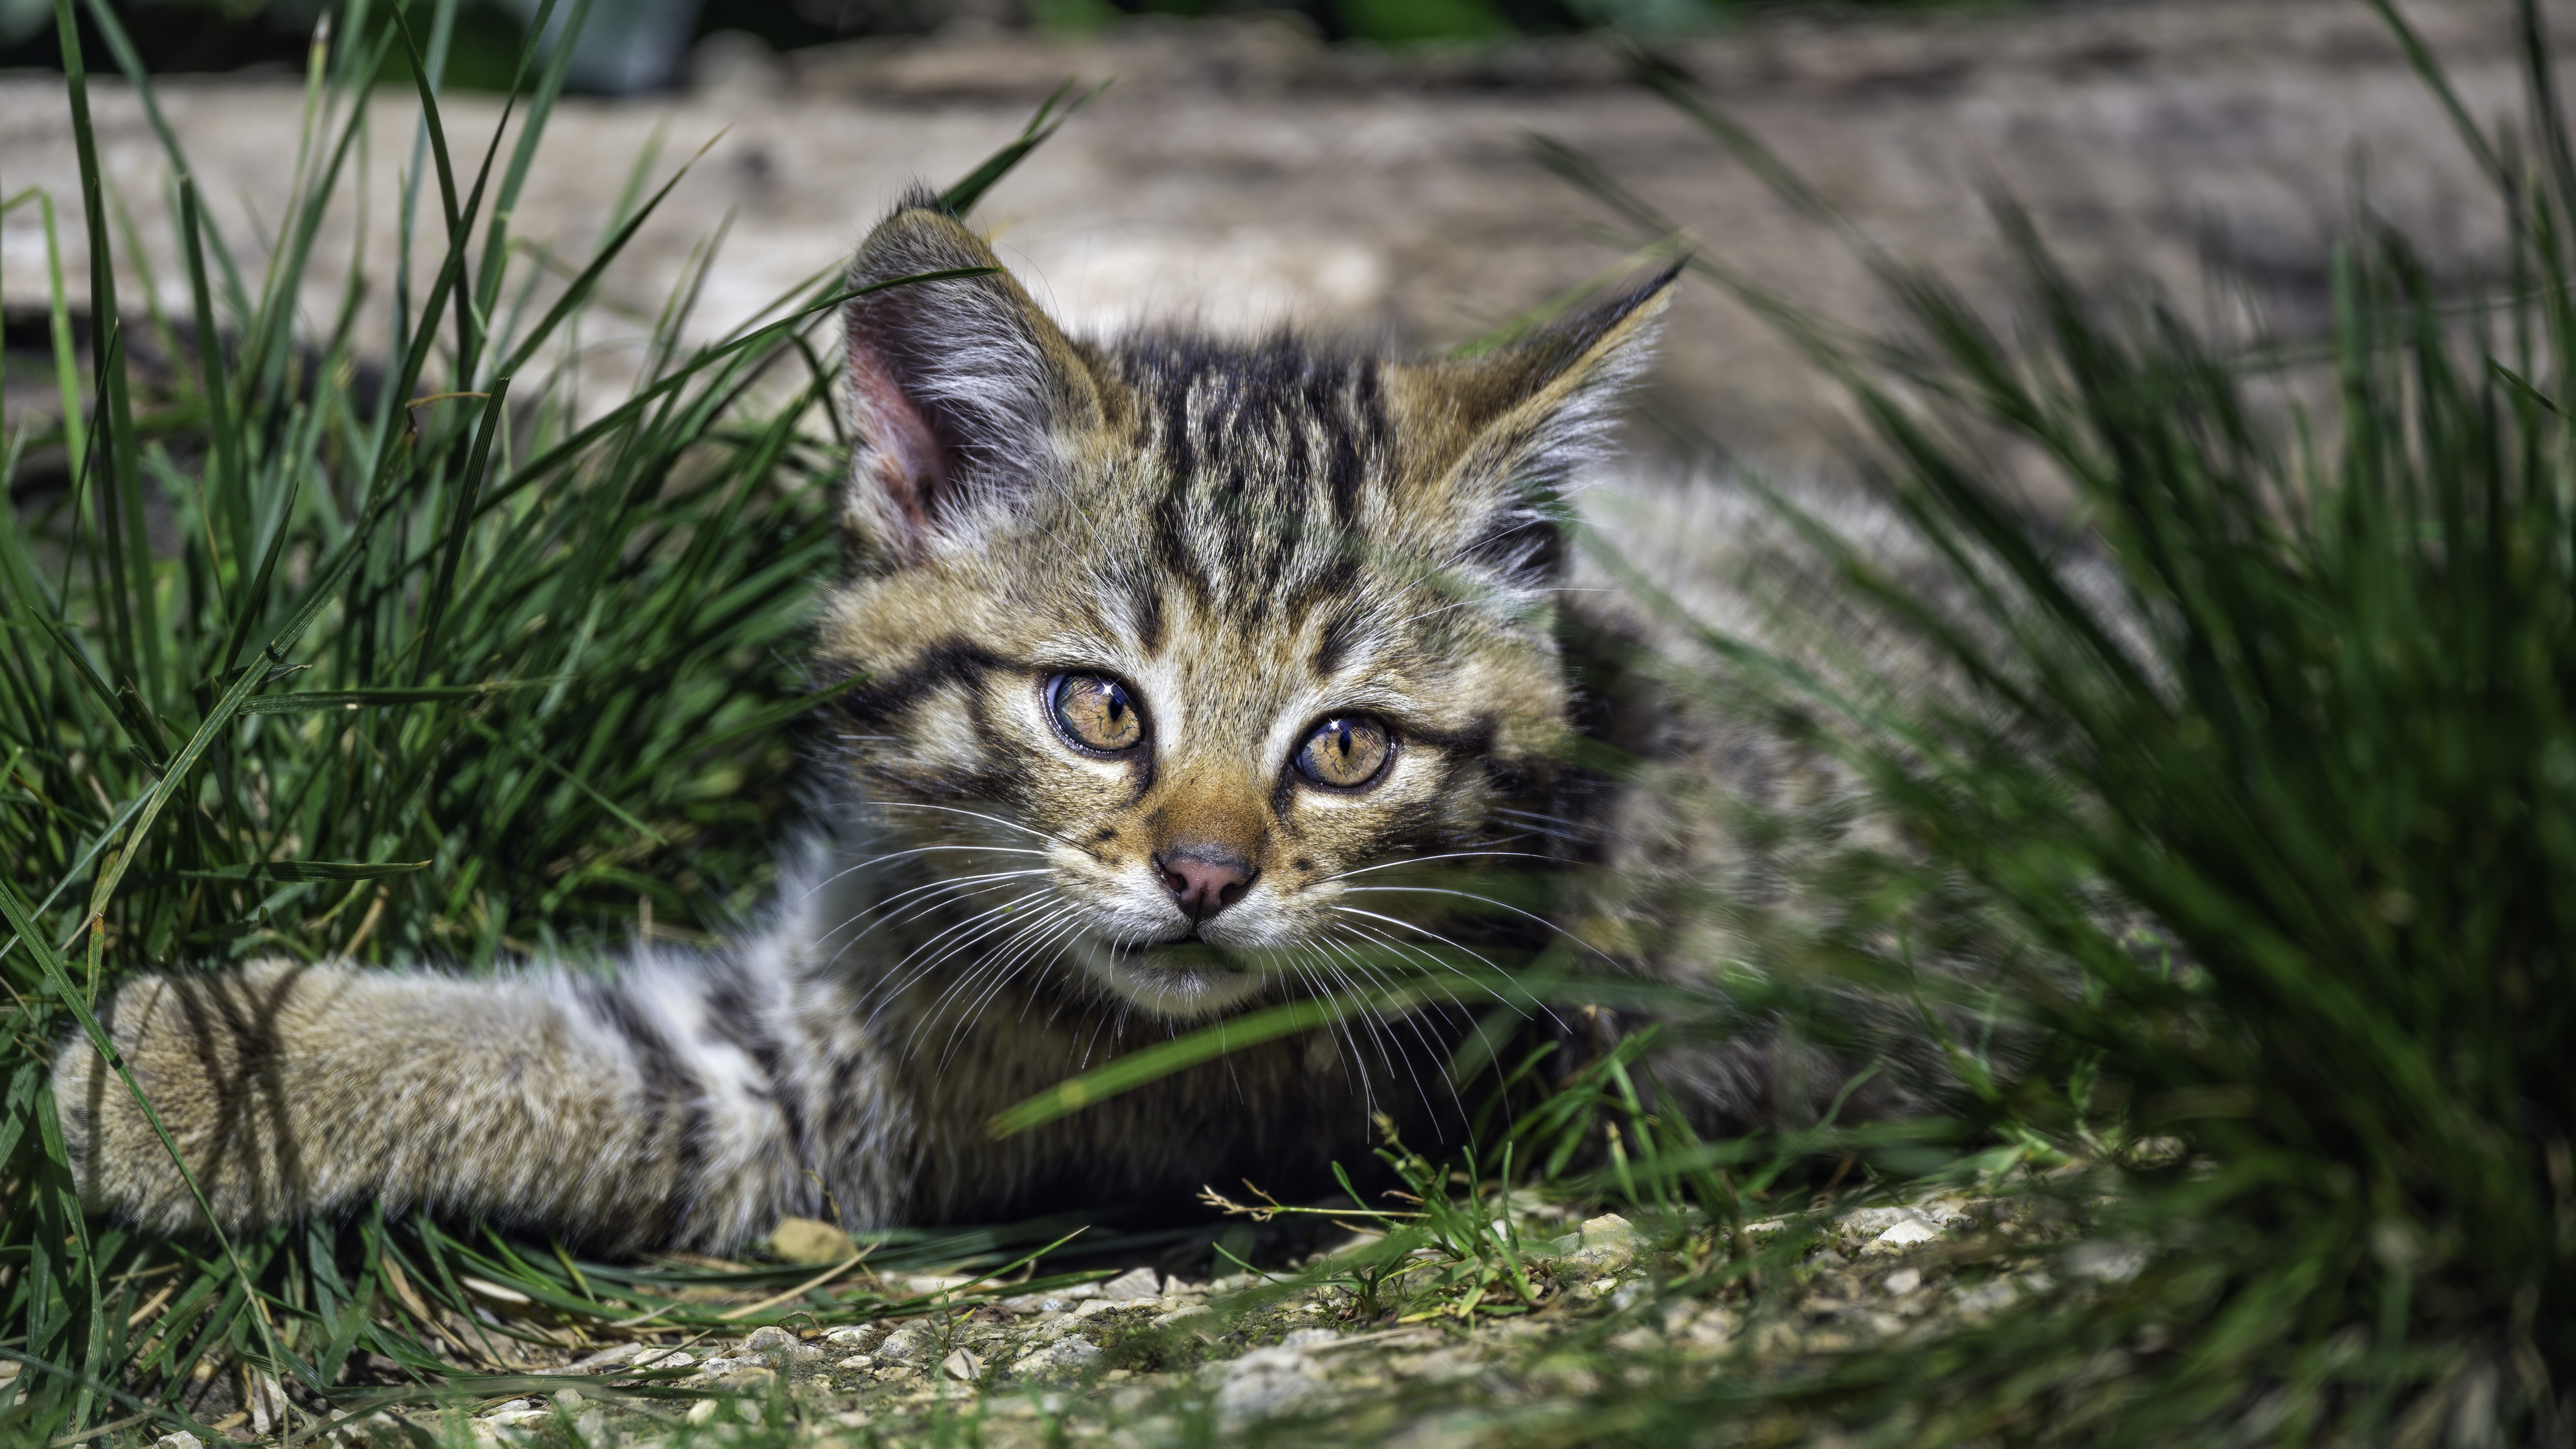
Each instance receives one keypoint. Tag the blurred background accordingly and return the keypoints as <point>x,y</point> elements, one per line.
<point>640,45</point>
<point>1369,168</point>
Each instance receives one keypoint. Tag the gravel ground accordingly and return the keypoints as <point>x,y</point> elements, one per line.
<point>1142,1359</point>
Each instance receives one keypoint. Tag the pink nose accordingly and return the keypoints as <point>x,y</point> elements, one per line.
<point>1202,886</point>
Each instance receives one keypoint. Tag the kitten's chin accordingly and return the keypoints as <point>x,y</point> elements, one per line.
<point>1185,980</point>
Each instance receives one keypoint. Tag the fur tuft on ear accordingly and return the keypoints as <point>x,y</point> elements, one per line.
<point>957,389</point>
<point>1518,424</point>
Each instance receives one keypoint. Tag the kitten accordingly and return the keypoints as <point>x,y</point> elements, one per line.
<point>1192,678</point>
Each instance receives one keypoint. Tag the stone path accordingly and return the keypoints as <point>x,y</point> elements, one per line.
<point>1240,174</point>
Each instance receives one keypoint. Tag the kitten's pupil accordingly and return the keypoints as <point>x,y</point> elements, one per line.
<point>1097,713</point>
<point>1347,752</point>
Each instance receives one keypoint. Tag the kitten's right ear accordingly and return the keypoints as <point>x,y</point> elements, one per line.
<point>957,390</point>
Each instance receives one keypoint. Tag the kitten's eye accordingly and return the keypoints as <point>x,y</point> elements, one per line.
<point>1097,713</point>
<point>1346,752</point>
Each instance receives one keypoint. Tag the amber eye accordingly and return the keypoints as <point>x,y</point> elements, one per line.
<point>1097,713</point>
<point>1346,752</point>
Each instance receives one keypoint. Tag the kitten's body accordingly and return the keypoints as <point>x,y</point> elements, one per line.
<point>1231,565</point>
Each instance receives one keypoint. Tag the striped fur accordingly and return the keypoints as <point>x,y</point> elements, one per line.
<point>1252,541</point>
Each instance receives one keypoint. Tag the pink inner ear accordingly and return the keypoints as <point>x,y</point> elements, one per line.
<point>906,458</point>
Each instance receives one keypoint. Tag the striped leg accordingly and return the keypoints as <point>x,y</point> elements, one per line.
<point>625,1113</point>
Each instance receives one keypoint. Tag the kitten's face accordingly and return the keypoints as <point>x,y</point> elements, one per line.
<point>1174,652</point>
<point>1197,757</point>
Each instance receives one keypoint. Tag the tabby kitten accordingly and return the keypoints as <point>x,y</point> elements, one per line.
<point>1193,677</point>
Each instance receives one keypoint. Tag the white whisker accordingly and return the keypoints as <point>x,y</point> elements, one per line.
<point>1426,859</point>
<point>975,932</point>
<point>975,815</point>
<point>934,895</point>
<point>1488,901</point>
<point>875,860</point>
<point>1477,956</point>
<point>1386,1028</point>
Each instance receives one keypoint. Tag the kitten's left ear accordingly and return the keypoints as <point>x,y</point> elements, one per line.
<point>1494,440</point>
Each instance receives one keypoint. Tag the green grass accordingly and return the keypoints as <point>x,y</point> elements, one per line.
<point>453,654</point>
<point>2284,825</point>
<point>450,650</point>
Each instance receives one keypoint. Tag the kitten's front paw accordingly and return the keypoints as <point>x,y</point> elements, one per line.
<point>195,1047</point>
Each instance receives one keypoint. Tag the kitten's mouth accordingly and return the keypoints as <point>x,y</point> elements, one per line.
<point>1189,963</point>
<point>1182,952</point>
<point>1183,978</point>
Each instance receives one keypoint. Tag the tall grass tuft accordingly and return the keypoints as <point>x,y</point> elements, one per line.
<point>2314,743</point>
<point>475,640</point>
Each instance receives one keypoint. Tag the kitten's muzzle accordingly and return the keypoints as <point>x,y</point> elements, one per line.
<point>1204,882</point>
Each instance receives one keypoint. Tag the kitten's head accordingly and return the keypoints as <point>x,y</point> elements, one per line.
<point>1168,642</point>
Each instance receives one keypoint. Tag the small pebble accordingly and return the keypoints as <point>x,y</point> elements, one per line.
<point>1060,1299</point>
<point>703,1411</point>
<point>1987,1297</point>
<point>1906,1234</point>
<point>910,1344</point>
<point>1063,1359</point>
<point>804,1240</point>
<point>1904,1281</point>
<point>1133,1284</point>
